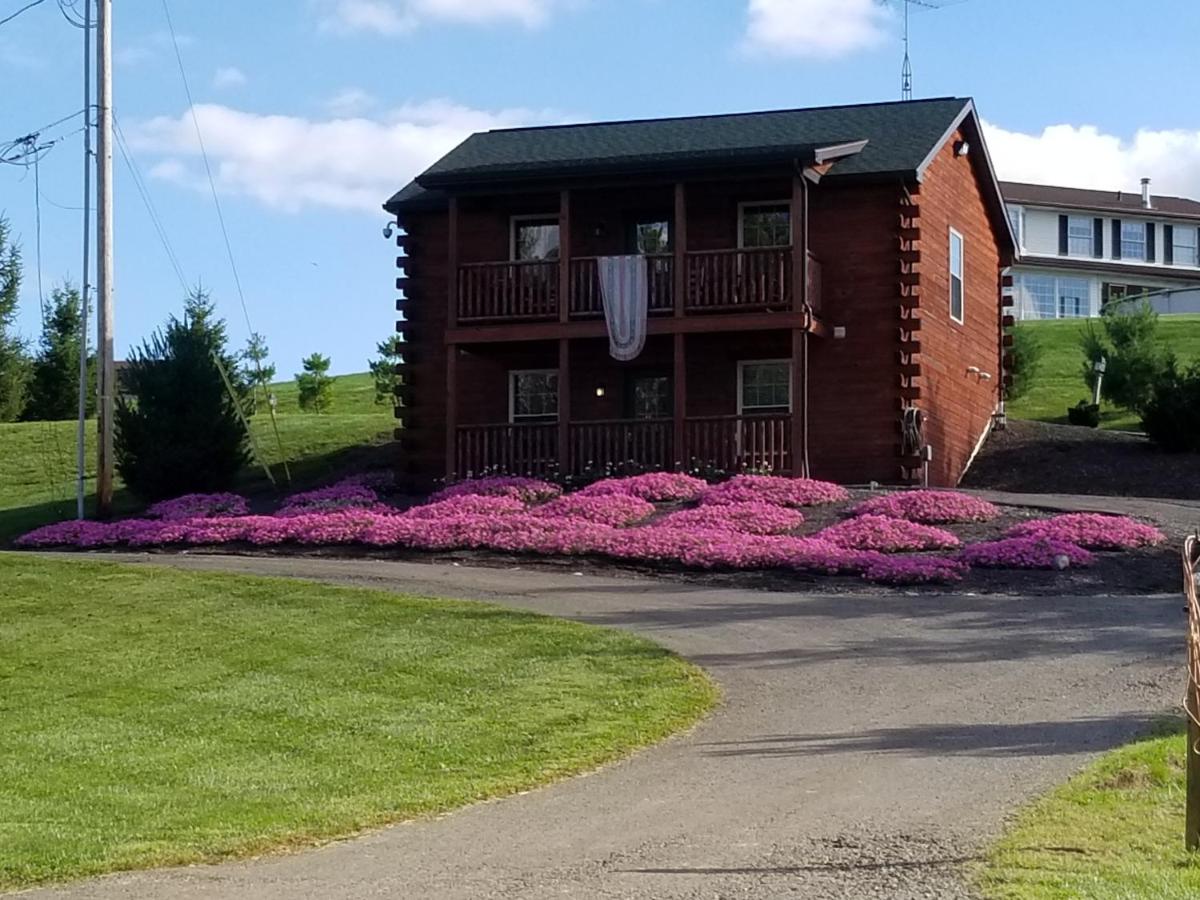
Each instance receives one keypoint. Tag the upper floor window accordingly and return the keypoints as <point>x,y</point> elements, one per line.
<point>1133,240</point>
<point>533,394</point>
<point>1080,235</point>
<point>764,224</point>
<point>534,237</point>
<point>956,276</point>
<point>764,384</point>
<point>1016,218</point>
<point>1183,246</point>
<point>652,237</point>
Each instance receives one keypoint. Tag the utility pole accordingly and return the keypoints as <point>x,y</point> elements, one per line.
<point>104,268</point>
<point>81,431</point>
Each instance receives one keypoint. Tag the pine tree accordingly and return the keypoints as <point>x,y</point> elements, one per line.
<point>14,361</point>
<point>383,369</point>
<point>54,384</point>
<point>315,384</point>
<point>177,427</point>
<point>256,372</point>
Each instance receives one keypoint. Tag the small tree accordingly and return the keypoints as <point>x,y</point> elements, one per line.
<point>1027,351</point>
<point>1172,414</point>
<point>14,361</point>
<point>383,369</point>
<point>1135,358</point>
<point>315,384</point>
<point>256,372</point>
<point>54,385</point>
<point>178,429</point>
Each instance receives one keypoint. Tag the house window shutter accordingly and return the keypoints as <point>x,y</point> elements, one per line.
<point>1098,239</point>
<point>1149,242</point>
<point>1062,236</point>
<point>1116,236</point>
<point>1169,244</point>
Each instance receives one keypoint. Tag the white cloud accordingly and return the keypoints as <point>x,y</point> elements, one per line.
<point>392,17</point>
<point>228,77</point>
<point>814,28</point>
<point>148,47</point>
<point>292,164</point>
<point>1084,156</point>
<point>350,102</point>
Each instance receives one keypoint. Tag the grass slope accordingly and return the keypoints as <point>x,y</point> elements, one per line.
<point>155,717</point>
<point>37,459</point>
<point>1114,832</point>
<point>1060,383</point>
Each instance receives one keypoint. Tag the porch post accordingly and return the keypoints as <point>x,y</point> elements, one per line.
<point>564,255</point>
<point>451,349</point>
<point>452,264</point>
<point>799,217</point>
<point>679,242</point>
<point>680,405</point>
<point>564,406</point>
<point>799,424</point>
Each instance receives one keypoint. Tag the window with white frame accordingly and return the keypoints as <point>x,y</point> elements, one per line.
<point>1053,297</point>
<point>1080,236</point>
<point>534,238</point>
<point>764,224</point>
<point>1133,240</point>
<point>1016,218</point>
<point>532,395</point>
<point>1183,246</point>
<point>764,385</point>
<point>956,276</point>
<point>1074,298</point>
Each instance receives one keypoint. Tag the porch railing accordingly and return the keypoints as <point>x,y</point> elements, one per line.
<point>739,443</point>
<point>728,443</point>
<point>737,280</point>
<point>510,291</point>
<point>586,296</point>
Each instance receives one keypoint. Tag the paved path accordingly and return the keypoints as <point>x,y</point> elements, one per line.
<point>866,747</point>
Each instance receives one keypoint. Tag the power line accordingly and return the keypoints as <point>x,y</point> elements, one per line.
<point>25,8</point>
<point>212,185</point>
<point>67,8</point>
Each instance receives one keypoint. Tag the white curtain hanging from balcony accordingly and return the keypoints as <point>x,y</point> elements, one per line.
<point>625,291</point>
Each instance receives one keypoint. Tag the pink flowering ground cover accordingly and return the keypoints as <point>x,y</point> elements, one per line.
<point>1091,531</point>
<point>653,486</point>
<point>775,490</point>
<point>606,509</point>
<point>468,505</point>
<point>752,517</point>
<point>888,535</point>
<point>343,495</point>
<point>911,570</point>
<point>193,506</point>
<point>929,507</point>
<point>528,490</point>
<point>1025,553</point>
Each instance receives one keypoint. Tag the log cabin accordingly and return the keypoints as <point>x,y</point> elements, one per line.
<point>814,292</point>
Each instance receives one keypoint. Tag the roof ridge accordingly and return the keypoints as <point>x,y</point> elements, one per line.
<point>1132,193</point>
<point>728,115</point>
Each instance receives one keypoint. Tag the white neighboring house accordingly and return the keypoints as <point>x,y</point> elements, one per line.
<point>1081,249</point>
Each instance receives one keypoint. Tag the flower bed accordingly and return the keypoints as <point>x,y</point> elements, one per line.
<point>910,570</point>
<point>752,517</point>
<point>343,495</point>
<point>528,490</point>
<point>192,506</point>
<point>1092,531</point>
<point>929,507</point>
<point>467,504</point>
<point>653,486</point>
<point>1025,553</point>
<point>888,535</point>
<point>605,509</point>
<point>775,490</point>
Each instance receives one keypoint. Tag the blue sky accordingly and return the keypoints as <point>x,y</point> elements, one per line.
<point>313,111</point>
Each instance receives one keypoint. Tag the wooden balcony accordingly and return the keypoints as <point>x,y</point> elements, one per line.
<point>727,443</point>
<point>716,281</point>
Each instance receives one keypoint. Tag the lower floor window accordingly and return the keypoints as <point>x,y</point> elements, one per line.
<point>651,397</point>
<point>764,385</point>
<point>533,394</point>
<point>1053,297</point>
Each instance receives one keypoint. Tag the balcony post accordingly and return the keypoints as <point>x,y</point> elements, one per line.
<point>451,410</point>
<point>679,243</point>
<point>564,406</point>
<point>799,217</point>
<point>564,255</point>
<point>452,264</point>
<point>799,423</point>
<point>680,403</point>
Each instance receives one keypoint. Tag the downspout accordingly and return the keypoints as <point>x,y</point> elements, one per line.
<point>808,321</point>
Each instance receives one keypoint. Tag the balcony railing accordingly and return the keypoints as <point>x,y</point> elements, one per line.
<point>717,281</point>
<point>726,443</point>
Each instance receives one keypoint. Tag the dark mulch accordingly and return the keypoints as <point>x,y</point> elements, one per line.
<point>1039,458</point>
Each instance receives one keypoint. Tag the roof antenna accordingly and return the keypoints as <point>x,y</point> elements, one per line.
<point>906,73</point>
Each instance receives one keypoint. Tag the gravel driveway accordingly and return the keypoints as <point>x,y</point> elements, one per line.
<point>866,746</point>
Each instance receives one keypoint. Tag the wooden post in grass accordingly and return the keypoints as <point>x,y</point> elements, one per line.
<point>1191,565</point>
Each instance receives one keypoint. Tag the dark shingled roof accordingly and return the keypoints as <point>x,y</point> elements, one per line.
<point>900,139</point>
<point>1102,201</point>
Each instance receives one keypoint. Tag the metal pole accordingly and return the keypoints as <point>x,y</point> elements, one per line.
<point>81,430</point>
<point>104,249</point>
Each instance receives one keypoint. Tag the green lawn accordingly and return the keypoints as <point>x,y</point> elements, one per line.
<point>1114,832</point>
<point>37,459</point>
<point>155,717</point>
<point>1060,382</point>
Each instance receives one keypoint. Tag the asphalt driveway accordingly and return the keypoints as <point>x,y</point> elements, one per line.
<point>866,746</point>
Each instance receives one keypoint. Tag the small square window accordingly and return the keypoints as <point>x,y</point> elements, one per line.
<point>765,385</point>
<point>765,225</point>
<point>535,238</point>
<point>652,238</point>
<point>533,394</point>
